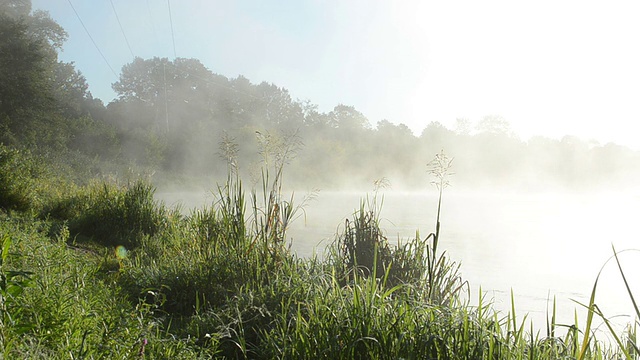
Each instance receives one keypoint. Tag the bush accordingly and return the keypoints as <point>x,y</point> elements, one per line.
<point>363,246</point>
<point>363,249</point>
<point>18,173</point>
<point>111,215</point>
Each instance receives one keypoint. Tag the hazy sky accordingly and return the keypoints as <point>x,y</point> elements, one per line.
<point>548,67</point>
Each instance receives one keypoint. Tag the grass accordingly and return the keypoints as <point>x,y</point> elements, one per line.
<point>220,282</point>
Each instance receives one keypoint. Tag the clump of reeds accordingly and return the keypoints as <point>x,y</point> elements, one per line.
<point>272,213</point>
<point>221,283</point>
<point>110,214</point>
<point>363,248</point>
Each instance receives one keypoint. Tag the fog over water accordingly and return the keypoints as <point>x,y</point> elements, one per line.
<point>541,121</point>
<point>539,245</point>
<point>536,103</point>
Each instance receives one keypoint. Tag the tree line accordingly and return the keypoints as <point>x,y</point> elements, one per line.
<point>170,118</point>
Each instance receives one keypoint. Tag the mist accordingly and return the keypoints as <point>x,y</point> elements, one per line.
<point>537,213</point>
<point>514,206</point>
<point>172,117</point>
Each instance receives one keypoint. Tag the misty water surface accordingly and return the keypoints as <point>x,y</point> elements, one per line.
<point>539,245</point>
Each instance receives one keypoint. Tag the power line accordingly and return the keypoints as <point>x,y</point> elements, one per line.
<point>121,28</point>
<point>91,37</point>
<point>209,81</point>
<point>173,39</point>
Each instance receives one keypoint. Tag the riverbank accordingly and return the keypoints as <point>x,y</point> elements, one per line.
<point>211,284</point>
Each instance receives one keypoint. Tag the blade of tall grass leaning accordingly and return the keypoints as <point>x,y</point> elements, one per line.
<point>587,331</point>
<point>626,283</point>
<point>517,331</point>
<point>633,300</point>
<point>592,309</point>
<point>551,324</point>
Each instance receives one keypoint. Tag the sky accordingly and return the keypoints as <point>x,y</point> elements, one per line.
<point>550,68</point>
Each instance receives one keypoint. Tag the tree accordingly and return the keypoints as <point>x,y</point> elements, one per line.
<point>15,8</point>
<point>463,126</point>
<point>43,103</point>
<point>278,107</point>
<point>494,125</point>
<point>70,90</point>
<point>436,136</point>
<point>28,57</point>
<point>25,66</point>
<point>44,28</point>
<point>177,92</point>
<point>144,80</point>
<point>348,118</point>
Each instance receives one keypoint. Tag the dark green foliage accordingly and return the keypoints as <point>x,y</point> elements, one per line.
<point>16,180</point>
<point>45,105</point>
<point>205,285</point>
<point>22,70</point>
<point>70,309</point>
<point>12,285</point>
<point>111,215</point>
<point>362,246</point>
<point>220,282</point>
<point>25,181</point>
<point>363,250</point>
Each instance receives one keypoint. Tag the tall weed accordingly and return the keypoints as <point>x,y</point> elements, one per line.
<point>111,215</point>
<point>363,248</point>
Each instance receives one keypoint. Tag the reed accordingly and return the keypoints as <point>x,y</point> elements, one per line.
<point>221,283</point>
<point>626,342</point>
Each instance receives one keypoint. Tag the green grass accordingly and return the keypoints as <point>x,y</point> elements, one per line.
<point>220,282</point>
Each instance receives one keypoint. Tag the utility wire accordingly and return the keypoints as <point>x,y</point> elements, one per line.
<point>172,34</point>
<point>208,81</point>
<point>93,41</point>
<point>121,28</point>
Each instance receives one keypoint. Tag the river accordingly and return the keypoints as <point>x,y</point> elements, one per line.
<point>536,245</point>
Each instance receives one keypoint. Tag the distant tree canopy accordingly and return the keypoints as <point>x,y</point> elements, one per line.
<point>494,125</point>
<point>15,8</point>
<point>170,116</point>
<point>44,103</point>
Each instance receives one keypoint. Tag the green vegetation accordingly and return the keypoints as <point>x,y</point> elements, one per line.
<point>170,113</point>
<point>93,267</point>
<point>220,282</point>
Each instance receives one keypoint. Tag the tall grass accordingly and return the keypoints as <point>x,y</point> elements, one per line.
<point>363,248</point>
<point>110,214</point>
<point>27,181</point>
<point>221,283</point>
<point>16,179</point>
<point>627,341</point>
<point>71,308</point>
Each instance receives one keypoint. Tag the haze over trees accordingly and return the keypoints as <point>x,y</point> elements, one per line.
<point>93,266</point>
<point>170,116</point>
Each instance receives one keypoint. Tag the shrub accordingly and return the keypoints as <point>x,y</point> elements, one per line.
<point>111,215</point>
<point>363,246</point>
<point>18,173</point>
